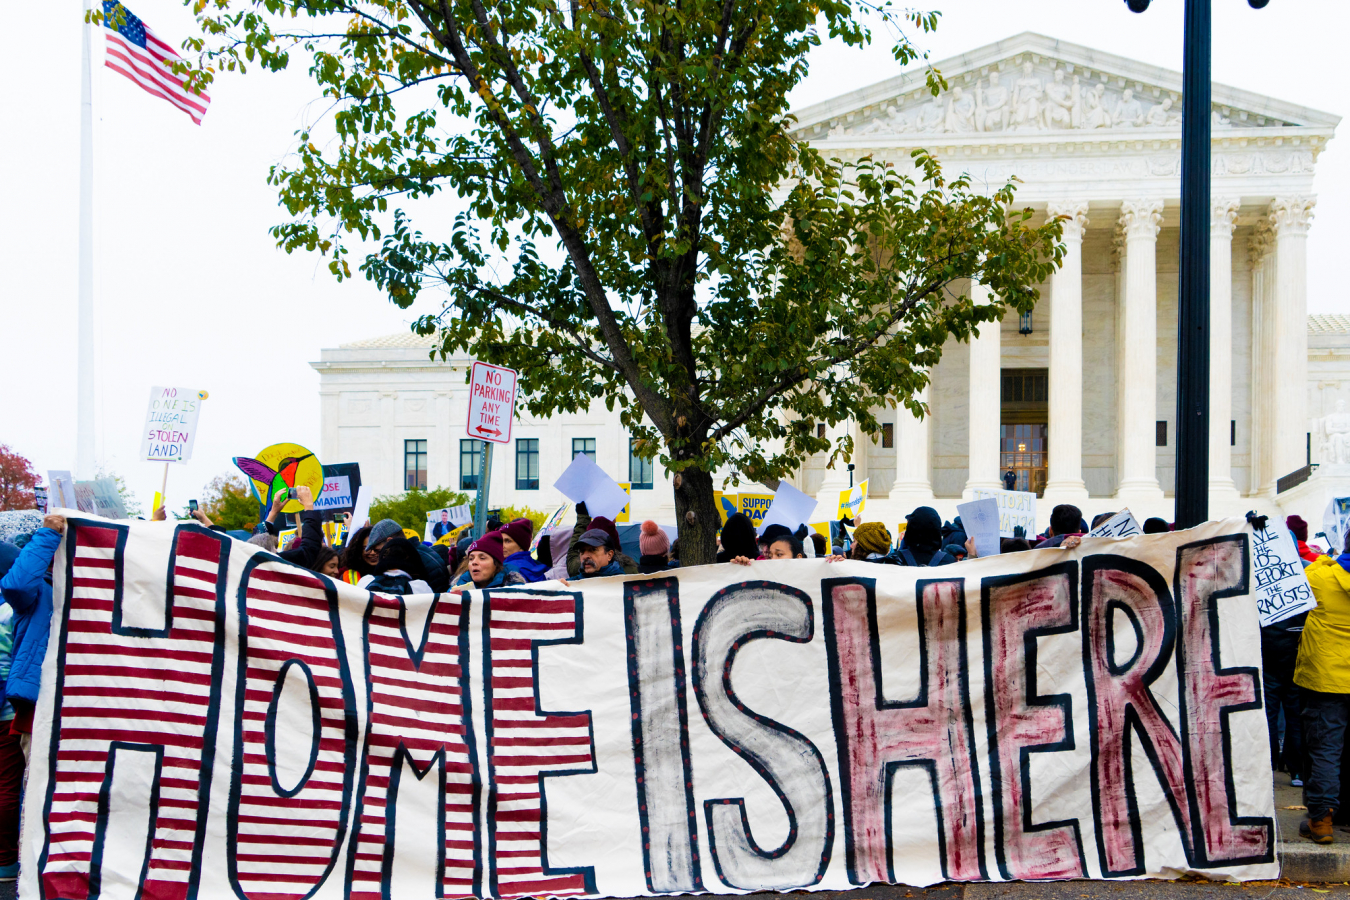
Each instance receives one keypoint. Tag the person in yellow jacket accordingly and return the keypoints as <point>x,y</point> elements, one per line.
<point>1323,672</point>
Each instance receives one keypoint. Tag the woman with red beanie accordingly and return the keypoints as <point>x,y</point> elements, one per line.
<point>482,567</point>
<point>1299,528</point>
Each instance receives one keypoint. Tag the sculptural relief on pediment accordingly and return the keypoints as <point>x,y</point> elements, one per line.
<point>1026,96</point>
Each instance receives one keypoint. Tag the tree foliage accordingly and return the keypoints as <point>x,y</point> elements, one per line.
<point>130,502</point>
<point>637,221</point>
<point>17,480</point>
<point>410,508</point>
<point>229,502</point>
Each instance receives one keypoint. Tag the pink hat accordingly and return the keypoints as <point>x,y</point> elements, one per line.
<point>653,541</point>
<point>491,544</point>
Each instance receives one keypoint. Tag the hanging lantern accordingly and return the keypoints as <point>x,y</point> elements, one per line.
<point>1024,323</point>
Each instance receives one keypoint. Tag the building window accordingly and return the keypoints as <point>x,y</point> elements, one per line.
<point>1025,386</point>
<point>1160,437</point>
<point>820,431</point>
<point>470,461</point>
<point>583,445</point>
<point>887,436</point>
<point>1232,432</point>
<point>527,464</point>
<point>414,465</point>
<point>640,470</point>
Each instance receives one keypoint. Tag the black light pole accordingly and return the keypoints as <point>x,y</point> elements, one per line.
<point>1192,487</point>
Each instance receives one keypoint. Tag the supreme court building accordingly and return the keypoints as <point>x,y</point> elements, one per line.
<point>1077,398</point>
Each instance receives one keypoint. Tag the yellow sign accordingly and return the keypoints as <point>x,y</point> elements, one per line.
<point>628,489</point>
<point>282,467</point>
<point>853,502</point>
<point>727,505</point>
<point>756,506</point>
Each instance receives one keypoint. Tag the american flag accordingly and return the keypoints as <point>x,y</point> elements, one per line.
<point>135,51</point>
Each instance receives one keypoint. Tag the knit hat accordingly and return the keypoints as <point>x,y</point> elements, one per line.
<point>521,531</point>
<point>385,528</point>
<point>653,541</point>
<point>491,544</point>
<point>608,528</point>
<point>1298,527</point>
<point>596,537</point>
<point>773,533</point>
<point>873,537</point>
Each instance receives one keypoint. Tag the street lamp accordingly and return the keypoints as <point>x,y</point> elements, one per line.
<point>1192,488</point>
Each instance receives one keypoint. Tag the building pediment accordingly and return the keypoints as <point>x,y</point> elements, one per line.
<point>1031,87</point>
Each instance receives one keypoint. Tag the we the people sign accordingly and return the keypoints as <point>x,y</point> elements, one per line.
<point>492,402</point>
<point>171,424</point>
<point>243,728</point>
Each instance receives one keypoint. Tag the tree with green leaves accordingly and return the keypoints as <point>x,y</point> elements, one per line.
<point>230,503</point>
<point>637,222</point>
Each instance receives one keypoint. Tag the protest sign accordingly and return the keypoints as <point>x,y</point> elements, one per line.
<point>441,522</point>
<point>1281,588</point>
<point>786,725</point>
<point>341,482</point>
<point>585,482</point>
<point>171,424</point>
<point>727,504</point>
<point>40,499</point>
<point>980,520</point>
<point>282,467</point>
<point>1015,508</point>
<point>361,512</point>
<point>550,523</point>
<point>853,503</point>
<point>1122,524</point>
<point>790,508</point>
<point>622,517</point>
<point>754,505</point>
<point>492,403</point>
<point>62,486</point>
<point>100,497</point>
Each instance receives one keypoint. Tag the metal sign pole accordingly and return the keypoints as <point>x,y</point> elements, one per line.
<point>481,505</point>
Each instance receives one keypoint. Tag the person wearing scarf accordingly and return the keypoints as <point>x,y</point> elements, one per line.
<point>482,567</point>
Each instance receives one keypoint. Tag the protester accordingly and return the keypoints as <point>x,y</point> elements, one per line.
<point>1013,545</point>
<point>516,536</point>
<point>266,541</point>
<point>872,542</point>
<point>1155,525</point>
<point>11,750</point>
<point>783,545</point>
<point>1066,528</point>
<point>599,554</point>
<point>818,540</point>
<point>1101,518</point>
<point>584,524</point>
<point>1323,674</point>
<point>1279,653</point>
<point>921,544</point>
<point>655,546</point>
<point>1299,529</point>
<point>325,562</point>
<point>770,534</point>
<point>352,560</point>
<point>398,568</point>
<point>738,538</point>
<point>27,588</point>
<point>484,565</point>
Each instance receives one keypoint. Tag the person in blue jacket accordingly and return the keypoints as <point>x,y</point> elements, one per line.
<point>516,537</point>
<point>27,588</point>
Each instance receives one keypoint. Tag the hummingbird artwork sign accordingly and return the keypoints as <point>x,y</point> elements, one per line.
<point>282,468</point>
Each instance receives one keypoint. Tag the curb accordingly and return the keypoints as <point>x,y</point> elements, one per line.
<point>1305,861</point>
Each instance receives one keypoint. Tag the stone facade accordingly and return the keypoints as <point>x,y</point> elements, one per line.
<point>1095,141</point>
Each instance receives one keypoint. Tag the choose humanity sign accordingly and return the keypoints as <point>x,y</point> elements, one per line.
<point>235,726</point>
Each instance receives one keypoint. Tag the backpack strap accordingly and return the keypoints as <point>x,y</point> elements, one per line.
<point>908,558</point>
<point>937,558</point>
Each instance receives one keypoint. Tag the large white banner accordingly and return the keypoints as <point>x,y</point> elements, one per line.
<point>269,734</point>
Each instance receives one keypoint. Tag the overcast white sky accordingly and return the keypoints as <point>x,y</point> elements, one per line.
<point>191,292</point>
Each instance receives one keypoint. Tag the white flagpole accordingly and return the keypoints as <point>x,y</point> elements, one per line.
<point>84,407</point>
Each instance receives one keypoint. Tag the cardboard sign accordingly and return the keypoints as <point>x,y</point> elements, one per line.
<point>171,424</point>
<point>492,403</point>
<point>1281,588</point>
<point>441,522</point>
<point>853,503</point>
<point>40,499</point>
<point>980,519</point>
<point>341,482</point>
<point>100,497</point>
<point>1122,524</point>
<point>1014,508</point>
<point>585,482</point>
<point>790,508</point>
<point>754,505</point>
<point>622,517</point>
<point>62,486</point>
<point>629,736</point>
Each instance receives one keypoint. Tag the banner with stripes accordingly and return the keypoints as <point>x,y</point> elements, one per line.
<point>216,723</point>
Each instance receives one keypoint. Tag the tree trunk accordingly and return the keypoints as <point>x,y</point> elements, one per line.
<point>697,516</point>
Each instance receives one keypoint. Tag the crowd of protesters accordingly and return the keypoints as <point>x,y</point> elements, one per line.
<point>1306,659</point>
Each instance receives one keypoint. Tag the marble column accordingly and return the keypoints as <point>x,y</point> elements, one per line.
<point>836,479</point>
<point>985,397</point>
<point>1289,220</point>
<point>1065,478</point>
<point>1136,454</point>
<point>912,485</point>
<point>1223,212</point>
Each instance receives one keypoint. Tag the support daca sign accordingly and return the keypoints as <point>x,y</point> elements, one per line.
<point>217,723</point>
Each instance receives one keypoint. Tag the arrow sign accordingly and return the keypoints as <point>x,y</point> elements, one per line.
<point>492,403</point>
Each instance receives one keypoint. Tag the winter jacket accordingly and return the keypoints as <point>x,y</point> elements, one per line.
<point>438,575</point>
<point>529,568</point>
<point>311,540</point>
<point>655,562</point>
<point>630,566</point>
<point>1324,651</point>
<point>26,588</point>
<point>614,568</point>
<point>394,581</point>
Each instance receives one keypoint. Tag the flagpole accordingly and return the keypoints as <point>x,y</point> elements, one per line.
<point>84,406</point>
